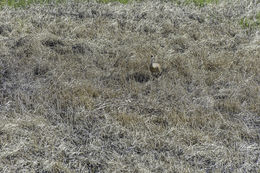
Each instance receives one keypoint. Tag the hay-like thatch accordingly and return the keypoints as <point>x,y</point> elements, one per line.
<point>76,96</point>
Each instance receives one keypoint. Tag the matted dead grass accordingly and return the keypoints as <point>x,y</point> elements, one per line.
<point>76,94</point>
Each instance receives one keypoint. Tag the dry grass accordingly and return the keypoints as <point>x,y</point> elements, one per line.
<point>76,94</point>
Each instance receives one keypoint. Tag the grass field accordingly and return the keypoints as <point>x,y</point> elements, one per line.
<point>24,3</point>
<point>76,93</point>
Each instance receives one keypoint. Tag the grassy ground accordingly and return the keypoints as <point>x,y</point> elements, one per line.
<point>76,94</point>
<point>24,3</point>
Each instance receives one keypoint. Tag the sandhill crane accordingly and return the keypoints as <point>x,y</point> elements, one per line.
<point>155,68</point>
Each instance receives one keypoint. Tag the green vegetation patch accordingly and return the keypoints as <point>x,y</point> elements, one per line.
<point>251,22</point>
<point>201,3</point>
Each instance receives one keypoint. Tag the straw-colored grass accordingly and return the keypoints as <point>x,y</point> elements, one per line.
<point>25,3</point>
<point>77,95</point>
